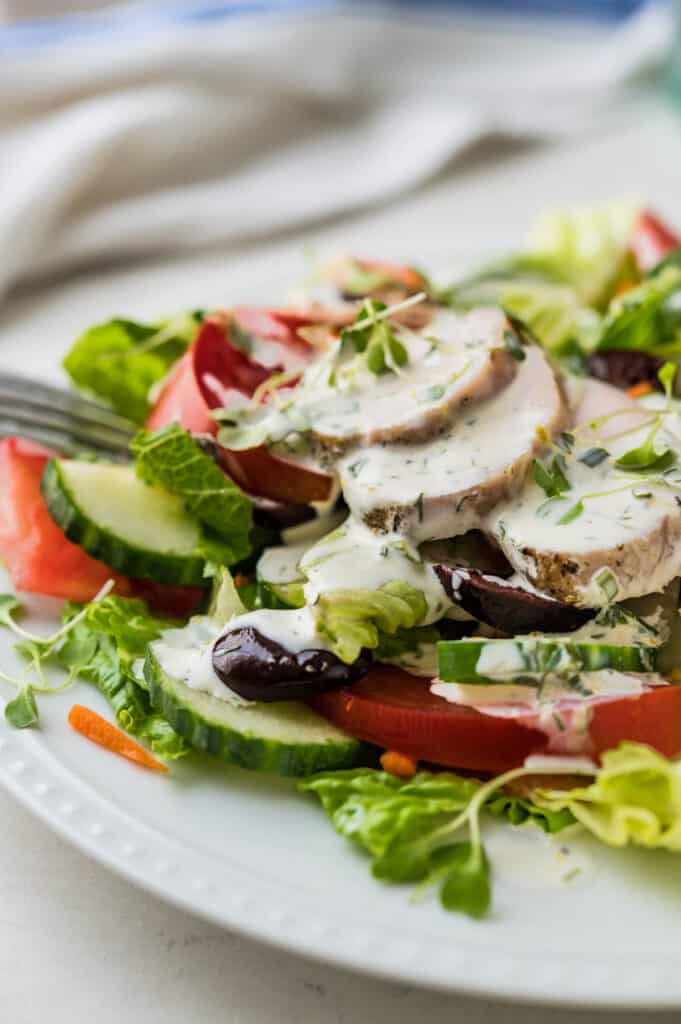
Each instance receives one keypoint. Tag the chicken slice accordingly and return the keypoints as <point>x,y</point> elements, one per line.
<point>442,488</point>
<point>458,360</point>
<point>613,535</point>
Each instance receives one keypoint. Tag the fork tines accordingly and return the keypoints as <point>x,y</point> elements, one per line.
<point>59,419</point>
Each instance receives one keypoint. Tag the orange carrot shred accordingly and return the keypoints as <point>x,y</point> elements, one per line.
<point>398,764</point>
<point>644,387</point>
<point>95,728</point>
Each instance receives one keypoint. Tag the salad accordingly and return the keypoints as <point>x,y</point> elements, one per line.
<point>417,544</point>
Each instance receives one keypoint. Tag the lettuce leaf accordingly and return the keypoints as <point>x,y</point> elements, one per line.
<point>635,798</point>
<point>640,319</point>
<point>103,648</point>
<point>588,246</point>
<point>354,619</point>
<point>555,314</point>
<point>120,361</point>
<point>170,457</point>
<point>405,825</point>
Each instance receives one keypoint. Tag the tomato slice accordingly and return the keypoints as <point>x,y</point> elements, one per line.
<point>205,379</point>
<point>395,710</point>
<point>652,241</point>
<point>36,552</point>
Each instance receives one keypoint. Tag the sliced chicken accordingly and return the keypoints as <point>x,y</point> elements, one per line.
<point>442,488</point>
<point>457,361</point>
<point>611,535</point>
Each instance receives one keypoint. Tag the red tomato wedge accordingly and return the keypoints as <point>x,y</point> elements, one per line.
<point>397,711</point>
<point>652,241</point>
<point>202,380</point>
<point>36,552</point>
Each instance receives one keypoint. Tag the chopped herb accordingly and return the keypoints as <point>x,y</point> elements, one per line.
<point>607,581</point>
<point>566,441</point>
<point>419,506</point>
<point>433,393</point>
<point>593,457</point>
<point>514,345</point>
<point>638,492</point>
<point>356,467</point>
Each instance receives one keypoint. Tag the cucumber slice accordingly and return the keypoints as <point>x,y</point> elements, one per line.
<point>285,738</point>
<point>137,529</point>
<point>489,661</point>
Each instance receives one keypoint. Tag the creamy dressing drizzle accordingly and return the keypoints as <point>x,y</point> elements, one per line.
<point>453,483</point>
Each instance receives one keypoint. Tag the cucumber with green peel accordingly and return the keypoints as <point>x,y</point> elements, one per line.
<point>286,738</point>
<point>140,530</point>
<point>489,661</point>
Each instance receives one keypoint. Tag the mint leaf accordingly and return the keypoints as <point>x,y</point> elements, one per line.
<point>170,457</point>
<point>120,361</point>
<point>22,711</point>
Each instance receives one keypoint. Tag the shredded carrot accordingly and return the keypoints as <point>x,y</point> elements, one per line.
<point>644,387</point>
<point>95,728</point>
<point>398,764</point>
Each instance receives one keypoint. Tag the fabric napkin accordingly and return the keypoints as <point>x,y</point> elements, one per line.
<point>186,134</point>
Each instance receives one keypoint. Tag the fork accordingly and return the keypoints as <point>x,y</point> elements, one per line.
<point>62,420</point>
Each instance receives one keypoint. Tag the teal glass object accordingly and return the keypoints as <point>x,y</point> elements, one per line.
<point>675,61</point>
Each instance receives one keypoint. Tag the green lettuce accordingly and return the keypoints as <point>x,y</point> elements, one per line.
<point>351,620</point>
<point>641,319</point>
<point>635,798</point>
<point>588,247</point>
<point>554,313</point>
<point>103,647</point>
<point>408,826</point>
<point>120,361</point>
<point>172,458</point>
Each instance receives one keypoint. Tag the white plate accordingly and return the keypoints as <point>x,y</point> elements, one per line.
<point>249,853</point>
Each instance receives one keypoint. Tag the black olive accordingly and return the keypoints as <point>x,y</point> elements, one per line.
<point>623,368</point>
<point>258,668</point>
<point>507,608</point>
<point>280,515</point>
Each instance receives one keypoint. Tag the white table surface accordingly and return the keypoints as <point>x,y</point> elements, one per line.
<point>77,943</point>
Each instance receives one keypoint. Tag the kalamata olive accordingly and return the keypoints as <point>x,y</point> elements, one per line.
<point>258,668</point>
<point>623,368</point>
<point>508,608</point>
<point>280,515</point>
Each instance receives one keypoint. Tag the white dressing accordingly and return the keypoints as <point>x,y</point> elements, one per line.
<point>356,558</point>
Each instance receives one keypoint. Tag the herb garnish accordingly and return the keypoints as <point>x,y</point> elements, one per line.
<point>593,457</point>
<point>552,480</point>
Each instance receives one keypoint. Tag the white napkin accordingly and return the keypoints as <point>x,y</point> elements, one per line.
<point>160,141</point>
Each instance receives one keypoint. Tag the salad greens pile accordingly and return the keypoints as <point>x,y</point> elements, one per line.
<point>121,361</point>
<point>577,291</point>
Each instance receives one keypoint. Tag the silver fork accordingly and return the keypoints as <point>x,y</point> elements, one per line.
<point>62,420</point>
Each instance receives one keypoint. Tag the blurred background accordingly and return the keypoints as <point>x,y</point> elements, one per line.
<point>149,128</point>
